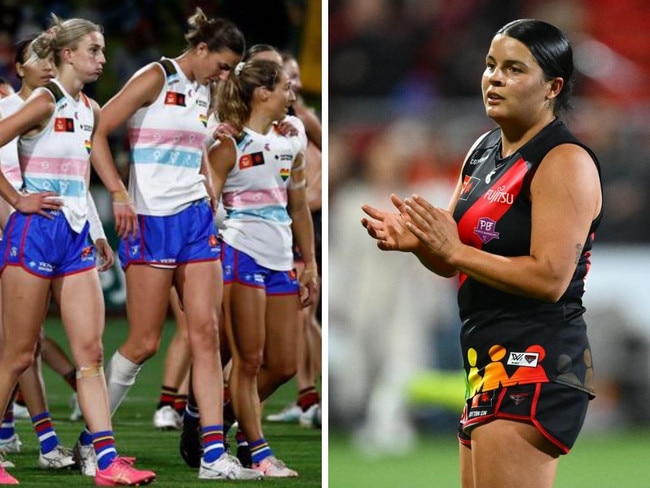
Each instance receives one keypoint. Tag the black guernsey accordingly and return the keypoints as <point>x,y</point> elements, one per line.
<point>510,339</point>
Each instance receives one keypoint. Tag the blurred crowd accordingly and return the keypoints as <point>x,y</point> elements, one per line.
<point>404,107</point>
<point>422,60</point>
<point>140,31</point>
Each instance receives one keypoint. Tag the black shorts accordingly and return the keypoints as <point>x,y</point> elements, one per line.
<point>557,411</point>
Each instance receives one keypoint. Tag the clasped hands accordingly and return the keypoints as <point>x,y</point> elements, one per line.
<point>417,224</point>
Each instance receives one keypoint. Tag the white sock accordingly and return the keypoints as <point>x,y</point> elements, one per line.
<point>120,377</point>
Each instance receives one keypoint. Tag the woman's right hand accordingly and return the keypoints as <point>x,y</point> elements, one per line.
<point>126,219</point>
<point>389,229</point>
<point>38,203</point>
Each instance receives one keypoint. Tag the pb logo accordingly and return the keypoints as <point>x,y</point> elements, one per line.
<point>485,230</point>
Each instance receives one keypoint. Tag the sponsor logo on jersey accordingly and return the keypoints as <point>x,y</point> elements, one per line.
<point>469,183</point>
<point>63,124</point>
<point>250,160</point>
<point>87,253</point>
<point>489,176</point>
<point>481,404</point>
<point>285,173</point>
<point>43,266</point>
<point>525,359</point>
<point>499,196</point>
<point>479,157</point>
<point>485,230</point>
<point>175,98</point>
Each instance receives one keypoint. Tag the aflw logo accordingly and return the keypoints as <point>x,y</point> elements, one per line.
<point>499,196</point>
<point>526,359</point>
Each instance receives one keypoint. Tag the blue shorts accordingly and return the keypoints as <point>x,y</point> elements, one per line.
<point>46,248</point>
<point>185,237</point>
<point>241,268</point>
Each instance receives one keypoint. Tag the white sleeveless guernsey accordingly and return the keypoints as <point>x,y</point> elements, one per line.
<point>255,198</point>
<point>9,152</point>
<point>167,145</point>
<point>57,158</point>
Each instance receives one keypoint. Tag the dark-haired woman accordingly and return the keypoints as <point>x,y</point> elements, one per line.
<point>518,234</point>
<point>166,222</point>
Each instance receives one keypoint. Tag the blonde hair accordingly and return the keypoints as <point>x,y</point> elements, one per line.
<point>235,94</point>
<point>62,34</point>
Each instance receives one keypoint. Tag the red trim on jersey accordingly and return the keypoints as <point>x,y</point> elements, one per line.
<point>510,182</point>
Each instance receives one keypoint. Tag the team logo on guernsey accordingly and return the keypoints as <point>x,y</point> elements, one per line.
<point>63,124</point>
<point>174,98</point>
<point>485,230</point>
<point>518,398</point>
<point>469,183</point>
<point>525,359</point>
<point>250,160</point>
<point>285,173</point>
<point>89,146</point>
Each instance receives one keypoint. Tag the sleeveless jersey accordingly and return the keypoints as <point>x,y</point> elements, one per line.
<point>9,152</point>
<point>509,339</point>
<point>255,198</point>
<point>57,158</point>
<point>166,140</point>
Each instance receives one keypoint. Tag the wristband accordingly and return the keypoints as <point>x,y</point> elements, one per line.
<point>121,197</point>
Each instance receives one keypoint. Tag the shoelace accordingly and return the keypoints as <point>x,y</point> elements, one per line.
<point>277,463</point>
<point>124,460</point>
<point>234,459</point>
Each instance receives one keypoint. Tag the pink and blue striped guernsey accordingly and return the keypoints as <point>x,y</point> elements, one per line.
<point>166,141</point>
<point>255,197</point>
<point>57,158</point>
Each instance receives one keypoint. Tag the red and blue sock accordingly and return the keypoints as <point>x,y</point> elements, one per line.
<point>104,444</point>
<point>45,432</point>
<point>213,446</point>
<point>260,450</point>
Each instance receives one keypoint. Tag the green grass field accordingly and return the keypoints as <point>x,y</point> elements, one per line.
<point>156,450</point>
<point>598,460</point>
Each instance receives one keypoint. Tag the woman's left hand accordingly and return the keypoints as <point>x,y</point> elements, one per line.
<point>105,256</point>
<point>434,227</point>
<point>309,283</point>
